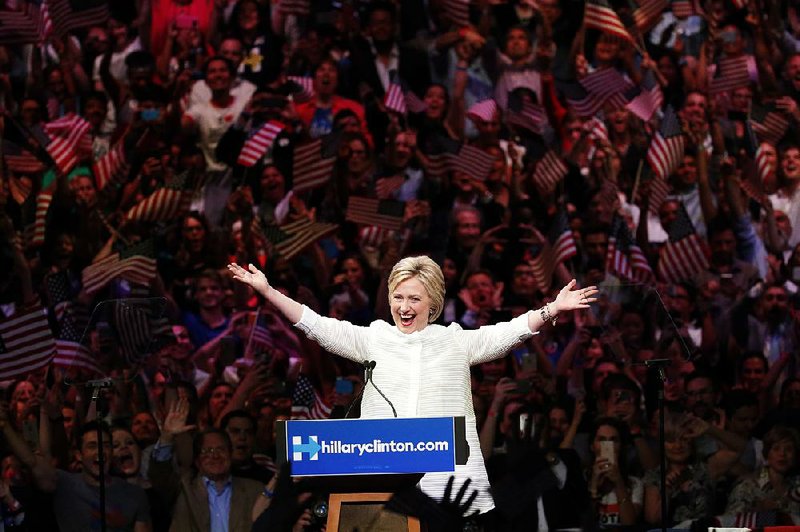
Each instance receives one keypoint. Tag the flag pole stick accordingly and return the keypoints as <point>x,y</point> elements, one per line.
<point>247,351</point>
<point>636,183</point>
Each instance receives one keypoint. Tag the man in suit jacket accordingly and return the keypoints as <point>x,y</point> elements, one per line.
<point>208,499</point>
<point>378,60</point>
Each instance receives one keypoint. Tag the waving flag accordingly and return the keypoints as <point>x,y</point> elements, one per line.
<point>43,201</point>
<point>305,85</point>
<point>600,16</point>
<point>111,167</point>
<point>26,342</point>
<point>732,73</point>
<point>18,27</point>
<point>666,149</point>
<point>135,264</point>
<point>313,162</point>
<point>768,123</point>
<point>482,111</point>
<point>69,136</point>
<point>292,238</point>
<point>599,88</point>
<point>648,13</point>
<point>257,145</point>
<point>307,403</point>
<point>383,213</point>
<point>685,254</point>
<point>165,204</point>
<point>523,113</point>
<point>624,257</point>
<point>453,156</point>
<point>646,99</point>
<point>69,15</point>
<point>550,170</point>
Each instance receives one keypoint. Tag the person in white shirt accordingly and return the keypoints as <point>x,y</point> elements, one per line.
<point>422,367</point>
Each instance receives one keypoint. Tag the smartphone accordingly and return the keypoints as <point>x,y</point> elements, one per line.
<point>607,451</point>
<point>344,386</point>
<point>523,424</point>
<point>185,22</point>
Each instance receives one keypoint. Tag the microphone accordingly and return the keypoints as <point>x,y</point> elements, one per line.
<point>369,366</point>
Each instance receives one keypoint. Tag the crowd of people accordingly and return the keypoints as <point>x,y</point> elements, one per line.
<point>649,148</point>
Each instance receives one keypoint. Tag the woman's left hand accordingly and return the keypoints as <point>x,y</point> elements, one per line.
<point>569,299</point>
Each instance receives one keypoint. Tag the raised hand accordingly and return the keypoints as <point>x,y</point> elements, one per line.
<point>175,422</point>
<point>569,299</point>
<point>252,277</point>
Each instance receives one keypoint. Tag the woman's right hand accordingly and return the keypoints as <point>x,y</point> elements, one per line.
<point>254,277</point>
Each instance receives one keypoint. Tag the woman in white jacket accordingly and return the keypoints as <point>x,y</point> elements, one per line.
<point>422,367</point>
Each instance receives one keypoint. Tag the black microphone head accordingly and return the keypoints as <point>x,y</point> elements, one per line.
<point>372,364</point>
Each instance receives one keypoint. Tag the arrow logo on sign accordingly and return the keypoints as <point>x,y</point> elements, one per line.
<point>312,448</point>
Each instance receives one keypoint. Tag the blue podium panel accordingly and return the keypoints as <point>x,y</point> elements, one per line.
<point>371,446</point>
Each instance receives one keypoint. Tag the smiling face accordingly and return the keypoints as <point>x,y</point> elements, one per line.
<point>790,164</point>
<point>411,306</point>
<point>126,455</point>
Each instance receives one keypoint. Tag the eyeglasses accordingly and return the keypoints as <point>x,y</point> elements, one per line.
<point>213,451</point>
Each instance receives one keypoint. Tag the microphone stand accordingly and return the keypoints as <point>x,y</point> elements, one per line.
<point>369,366</point>
<point>658,364</point>
<point>96,386</point>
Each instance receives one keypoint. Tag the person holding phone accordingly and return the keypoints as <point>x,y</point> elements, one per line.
<point>422,367</point>
<point>618,498</point>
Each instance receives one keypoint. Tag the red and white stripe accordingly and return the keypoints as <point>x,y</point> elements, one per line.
<point>43,201</point>
<point>665,154</point>
<point>256,146</point>
<point>372,236</point>
<point>766,169</point>
<point>27,342</point>
<point>550,170</point>
<point>484,110</point>
<point>683,259</point>
<point>24,163</point>
<point>602,17</point>
<point>69,136</point>
<point>395,99</point>
<point>136,269</point>
<point>162,205</point>
<point>732,73</point>
<point>70,355</point>
<point>109,167</point>
<point>309,169</point>
<point>306,85</point>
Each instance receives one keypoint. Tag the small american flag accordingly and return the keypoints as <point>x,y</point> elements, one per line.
<point>19,189</point>
<point>596,126</point>
<point>71,353</point>
<point>732,73</point>
<point>18,27</point>
<point>307,403</point>
<point>257,145</point>
<point>135,264</point>
<point>314,162</point>
<point>69,136</point>
<point>483,111</point>
<point>24,162</point>
<point>549,172</point>
<point>453,156</point>
<point>395,99</point>
<point>752,520</point>
<point>525,114</point>
<point>140,326</point>
<point>301,8</point>
<point>26,342</point>
<point>69,15</point>
<point>561,239</point>
<point>292,238</point>
<point>43,201</point>
<point>599,15</point>
<point>666,150</point>
<point>685,253</point>
<point>457,11</point>
<point>686,8</point>
<point>369,211</point>
<point>372,236</point>
<point>165,204</point>
<point>647,99</point>
<point>111,167</point>
<point>306,86</point>
<point>624,257</point>
<point>768,123</point>
<point>599,88</point>
<point>766,169</point>
<point>648,14</point>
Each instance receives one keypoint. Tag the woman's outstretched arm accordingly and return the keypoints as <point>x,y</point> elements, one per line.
<point>255,278</point>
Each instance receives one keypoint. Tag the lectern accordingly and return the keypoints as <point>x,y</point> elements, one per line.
<point>361,462</point>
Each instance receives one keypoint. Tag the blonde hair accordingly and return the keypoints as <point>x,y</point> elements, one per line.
<point>429,274</point>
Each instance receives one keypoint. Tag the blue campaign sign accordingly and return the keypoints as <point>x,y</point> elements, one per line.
<point>371,446</point>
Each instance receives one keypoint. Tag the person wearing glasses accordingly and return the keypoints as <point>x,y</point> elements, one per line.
<point>208,498</point>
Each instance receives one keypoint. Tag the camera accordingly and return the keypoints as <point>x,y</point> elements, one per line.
<point>318,504</point>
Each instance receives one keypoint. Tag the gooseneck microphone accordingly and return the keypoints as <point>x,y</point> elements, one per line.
<point>369,366</point>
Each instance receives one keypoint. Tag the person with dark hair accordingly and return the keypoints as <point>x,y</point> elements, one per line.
<point>241,429</point>
<point>618,497</point>
<point>209,497</point>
